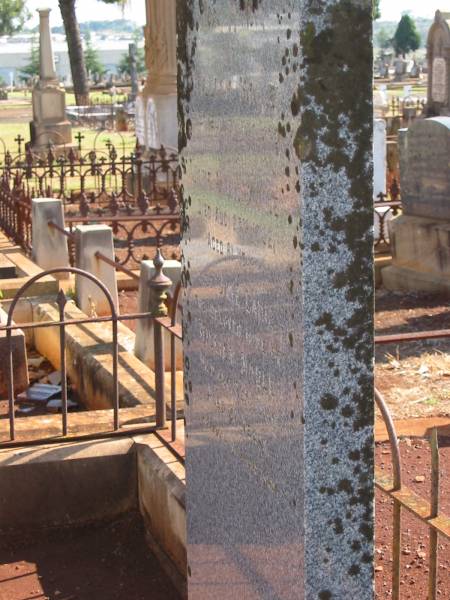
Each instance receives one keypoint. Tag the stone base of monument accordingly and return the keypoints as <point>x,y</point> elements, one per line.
<point>420,255</point>
<point>59,135</point>
<point>402,279</point>
<point>49,125</point>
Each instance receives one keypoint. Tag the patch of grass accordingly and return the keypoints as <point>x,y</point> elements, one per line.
<point>122,141</point>
<point>433,401</point>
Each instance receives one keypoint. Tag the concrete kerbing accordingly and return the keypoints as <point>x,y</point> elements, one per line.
<point>26,268</point>
<point>66,485</point>
<point>161,485</point>
<point>381,262</point>
<point>79,483</point>
<point>89,360</point>
<point>178,580</point>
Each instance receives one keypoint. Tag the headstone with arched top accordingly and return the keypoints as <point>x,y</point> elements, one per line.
<point>420,236</point>
<point>424,171</point>
<point>438,55</point>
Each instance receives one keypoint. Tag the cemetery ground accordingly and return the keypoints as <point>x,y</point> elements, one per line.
<point>16,113</point>
<point>414,378</point>
<point>108,561</point>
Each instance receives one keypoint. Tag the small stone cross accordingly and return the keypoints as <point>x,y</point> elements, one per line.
<point>79,137</point>
<point>19,139</point>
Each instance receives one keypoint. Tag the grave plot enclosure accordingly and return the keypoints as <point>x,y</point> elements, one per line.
<point>275,128</point>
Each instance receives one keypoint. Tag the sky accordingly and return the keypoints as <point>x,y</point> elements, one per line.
<point>391,10</point>
<point>89,10</point>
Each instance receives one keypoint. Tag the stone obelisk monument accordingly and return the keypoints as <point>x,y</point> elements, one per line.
<point>159,97</point>
<point>49,125</point>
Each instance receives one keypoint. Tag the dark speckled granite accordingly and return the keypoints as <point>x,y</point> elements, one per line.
<point>275,125</point>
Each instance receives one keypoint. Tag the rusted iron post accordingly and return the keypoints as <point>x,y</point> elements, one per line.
<point>173,363</point>
<point>432,578</point>
<point>61,302</point>
<point>159,284</point>
<point>397,477</point>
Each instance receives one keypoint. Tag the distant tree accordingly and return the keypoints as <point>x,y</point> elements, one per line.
<point>31,69</point>
<point>376,9</point>
<point>124,64</point>
<point>75,47</point>
<point>384,40</point>
<point>13,15</point>
<point>406,38</point>
<point>94,65</point>
<point>119,25</point>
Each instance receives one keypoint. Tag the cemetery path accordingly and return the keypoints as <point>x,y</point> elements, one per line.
<point>15,110</point>
<point>414,376</point>
<point>102,562</point>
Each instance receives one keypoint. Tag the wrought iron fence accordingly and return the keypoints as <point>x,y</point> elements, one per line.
<point>386,206</point>
<point>406,107</point>
<point>137,196</point>
<point>164,317</point>
<point>15,213</point>
<point>428,512</point>
<point>97,179</point>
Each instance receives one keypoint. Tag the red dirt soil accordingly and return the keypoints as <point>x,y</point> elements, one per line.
<point>414,542</point>
<point>107,562</point>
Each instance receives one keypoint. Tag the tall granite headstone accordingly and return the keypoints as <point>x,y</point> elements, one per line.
<point>50,124</point>
<point>420,236</point>
<point>277,177</point>
<point>438,56</point>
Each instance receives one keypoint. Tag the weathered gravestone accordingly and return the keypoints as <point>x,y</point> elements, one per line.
<point>420,236</point>
<point>279,301</point>
<point>438,56</point>
<point>400,65</point>
<point>50,124</point>
<point>425,175</point>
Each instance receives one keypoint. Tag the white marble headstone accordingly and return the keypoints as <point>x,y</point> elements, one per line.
<point>152,125</point>
<point>379,157</point>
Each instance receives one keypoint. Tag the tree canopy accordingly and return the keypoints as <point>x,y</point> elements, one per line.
<point>376,9</point>
<point>75,47</point>
<point>406,38</point>
<point>13,14</point>
<point>94,65</point>
<point>32,68</point>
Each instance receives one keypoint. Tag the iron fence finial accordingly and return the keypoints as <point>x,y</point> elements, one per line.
<point>160,284</point>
